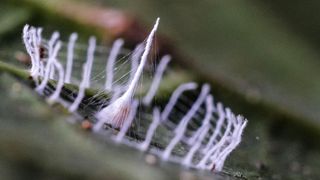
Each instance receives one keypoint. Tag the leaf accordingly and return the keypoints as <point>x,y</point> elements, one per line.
<point>32,134</point>
<point>255,64</point>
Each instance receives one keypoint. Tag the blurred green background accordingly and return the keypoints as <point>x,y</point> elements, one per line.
<point>261,57</point>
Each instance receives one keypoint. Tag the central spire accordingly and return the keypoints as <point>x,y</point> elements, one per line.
<point>117,112</point>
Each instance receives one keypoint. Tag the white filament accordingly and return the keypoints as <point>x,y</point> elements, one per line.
<point>53,40</point>
<point>85,83</point>
<point>36,43</point>
<point>180,129</point>
<point>90,57</point>
<point>41,69</point>
<point>53,51</point>
<point>188,159</point>
<point>174,98</point>
<point>235,142</point>
<point>206,120</point>
<point>157,79</point>
<point>110,63</point>
<point>222,141</point>
<point>117,90</point>
<point>27,42</point>
<point>151,130</point>
<point>128,121</point>
<point>226,140</point>
<point>218,127</point>
<point>135,60</point>
<point>60,83</point>
<point>70,52</point>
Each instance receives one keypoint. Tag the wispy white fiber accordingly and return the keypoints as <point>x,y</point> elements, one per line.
<point>70,52</point>
<point>202,164</point>
<point>174,98</point>
<point>235,141</point>
<point>151,130</point>
<point>187,161</point>
<point>157,79</point>
<point>219,124</point>
<point>86,72</point>
<point>53,51</point>
<point>117,90</point>
<point>41,68</point>
<point>206,120</point>
<point>111,61</point>
<point>36,35</point>
<point>32,40</point>
<point>27,42</point>
<point>90,57</point>
<point>180,129</point>
<point>82,87</point>
<point>53,40</point>
<point>135,60</point>
<point>56,93</point>
<point>127,121</point>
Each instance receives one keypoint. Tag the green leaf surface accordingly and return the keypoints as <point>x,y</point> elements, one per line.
<point>259,65</point>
